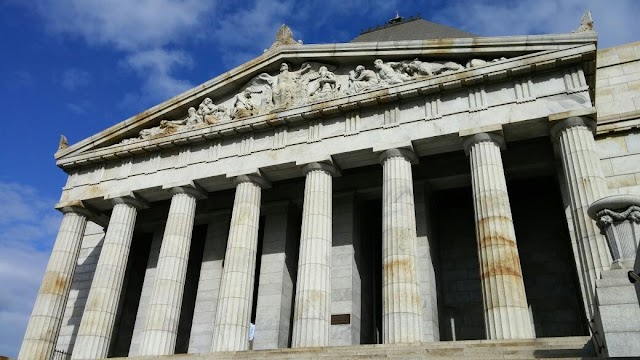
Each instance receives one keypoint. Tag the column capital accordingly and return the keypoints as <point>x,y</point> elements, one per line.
<point>79,207</point>
<point>189,188</point>
<point>256,178</point>
<point>325,166</point>
<point>614,203</point>
<point>128,198</point>
<point>76,206</point>
<point>405,153</point>
<point>562,124</point>
<point>617,216</point>
<point>472,139</point>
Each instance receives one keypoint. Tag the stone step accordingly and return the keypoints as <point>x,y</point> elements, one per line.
<point>577,347</point>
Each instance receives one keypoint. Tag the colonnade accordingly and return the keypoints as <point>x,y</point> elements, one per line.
<point>504,299</point>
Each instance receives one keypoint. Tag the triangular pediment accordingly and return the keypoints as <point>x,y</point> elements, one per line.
<point>441,65</point>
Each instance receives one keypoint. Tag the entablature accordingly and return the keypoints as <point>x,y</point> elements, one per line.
<point>428,122</point>
<point>520,69</point>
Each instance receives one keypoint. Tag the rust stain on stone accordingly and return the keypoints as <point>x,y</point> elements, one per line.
<point>496,240</point>
<point>94,303</point>
<point>270,119</point>
<point>53,283</point>
<point>399,266</point>
<point>505,268</point>
<point>93,191</point>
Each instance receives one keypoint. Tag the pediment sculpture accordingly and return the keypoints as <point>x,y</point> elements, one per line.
<point>312,82</point>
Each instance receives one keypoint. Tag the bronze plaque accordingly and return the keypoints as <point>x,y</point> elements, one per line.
<point>340,319</point>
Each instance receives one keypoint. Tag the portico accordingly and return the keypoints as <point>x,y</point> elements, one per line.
<point>395,212</point>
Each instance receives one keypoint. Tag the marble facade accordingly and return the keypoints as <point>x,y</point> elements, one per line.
<point>314,201</point>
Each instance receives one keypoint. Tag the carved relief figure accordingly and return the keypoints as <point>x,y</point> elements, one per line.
<point>479,62</point>
<point>284,86</point>
<point>325,85</point>
<point>423,68</point>
<point>191,121</point>
<point>361,79</point>
<point>212,113</point>
<point>388,75</point>
<point>243,105</point>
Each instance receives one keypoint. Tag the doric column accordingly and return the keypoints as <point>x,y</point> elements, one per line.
<point>401,300</point>
<point>231,330</point>
<point>505,301</point>
<point>46,317</point>
<point>98,319</point>
<point>585,184</point>
<point>163,314</point>
<point>312,309</point>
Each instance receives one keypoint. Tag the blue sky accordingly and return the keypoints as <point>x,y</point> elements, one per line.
<point>76,67</point>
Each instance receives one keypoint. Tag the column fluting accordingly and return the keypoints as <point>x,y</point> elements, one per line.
<point>46,318</point>
<point>98,319</point>
<point>233,315</point>
<point>504,298</point>
<point>585,184</point>
<point>401,300</point>
<point>163,314</point>
<point>312,309</point>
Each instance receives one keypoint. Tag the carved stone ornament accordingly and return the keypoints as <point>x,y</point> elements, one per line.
<point>312,82</point>
<point>284,37</point>
<point>618,217</point>
<point>586,24</point>
<point>63,143</point>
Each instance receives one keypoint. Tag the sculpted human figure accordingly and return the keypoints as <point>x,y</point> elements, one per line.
<point>326,83</point>
<point>242,105</point>
<point>361,79</point>
<point>207,107</point>
<point>480,62</point>
<point>284,85</point>
<point>192,119</point>
<point>423,68</point>
<point>211,113</point>
<point>151,133</point>
<point>387,74</point>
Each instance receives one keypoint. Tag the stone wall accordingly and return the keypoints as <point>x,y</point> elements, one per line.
<point>209,283</point>
<point>550,277</point>
<point>618,103</point>
<point>147,288</point>
<point>459,288</point>
<point>618,80</point>
<point>620,160</point>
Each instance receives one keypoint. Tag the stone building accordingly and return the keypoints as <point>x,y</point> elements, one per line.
<point>420,187</point>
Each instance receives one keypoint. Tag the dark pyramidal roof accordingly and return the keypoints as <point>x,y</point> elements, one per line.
<point>413,28</point>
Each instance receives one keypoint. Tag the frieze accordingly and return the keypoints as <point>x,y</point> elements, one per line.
<point>312,82</point>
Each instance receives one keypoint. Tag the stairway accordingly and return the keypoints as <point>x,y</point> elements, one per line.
<point>577,347</point>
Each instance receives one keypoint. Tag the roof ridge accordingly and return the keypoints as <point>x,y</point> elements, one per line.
<point>393,22</point>
<point>413,28</point>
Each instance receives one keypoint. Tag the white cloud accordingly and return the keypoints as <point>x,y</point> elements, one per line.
<point>74,78</point>
<point>27,232</point>
<point>247,31</point>
<point>615,21</point>
<point>141,30</point>
<point>124,24</point>
<point>155,67</point>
